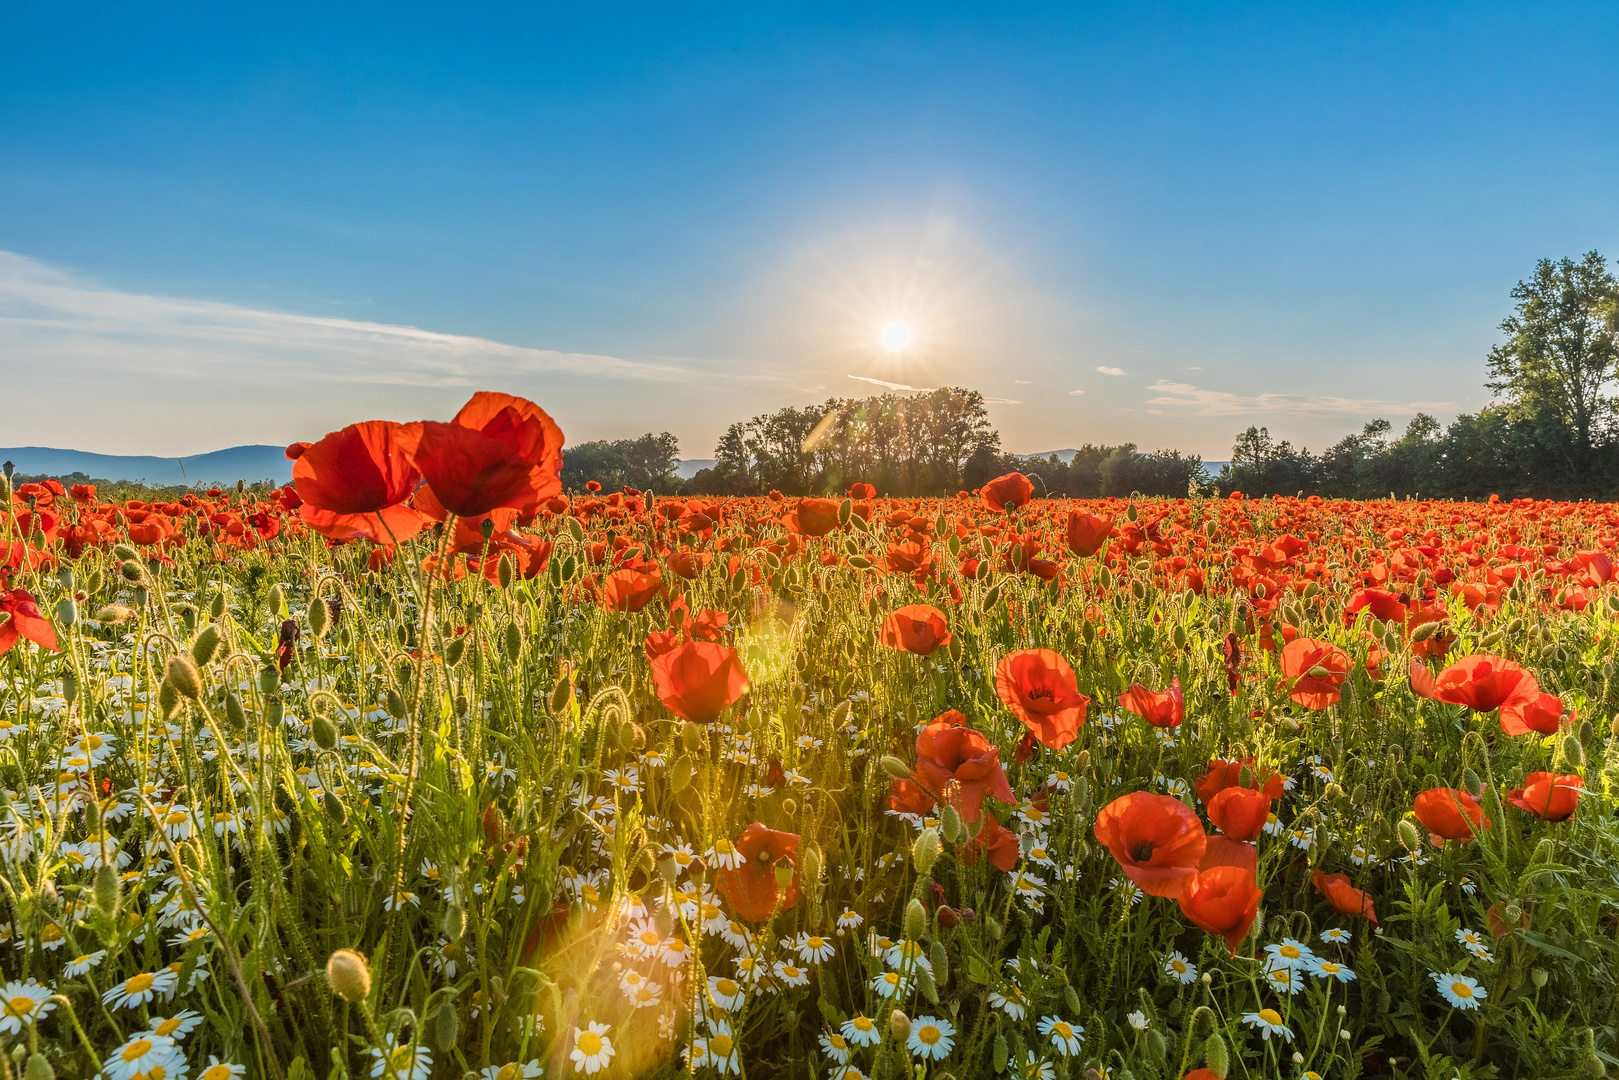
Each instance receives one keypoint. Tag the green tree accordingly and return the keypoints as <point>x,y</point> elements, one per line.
<point>647,463</point>
<point>1561,354</point>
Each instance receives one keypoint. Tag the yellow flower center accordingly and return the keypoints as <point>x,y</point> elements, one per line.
<point>1461,989</point>
<point>815,943</point>
<point>1289,951</point>
<point>168,1026</point>
<point>215,1072</point>
<point>137,1050</point>
<point>1330,968</point>
<point>862,1023</point>
<point>723,847</point>
<point>929,1034</point>
<point>1063,1029</point>
<point>508,1072</point>
<point>1271,1016</point>
<point>837,1042</point>
<point>726,987</point>
<point>22,1006</point>
<point>721,1045</point>
<point>139,984</point>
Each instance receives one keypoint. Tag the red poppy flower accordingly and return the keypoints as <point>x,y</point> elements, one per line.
<point>1041,690</point>
<point>1223,900</point>
<point>1224,851</point>
<point>1315,670</point>
<point>1157,841</point>
<point>859,492</point>
<point>947,749</point>
<point>1382,604</point>
<point>1223,774</point>
<point>751,888</point>
<point>909,797</point>
<point>812,517</point>
<point>1543,714</point>
<point>84,493</point>
<point>1483,682</point>
<point>1343,896</point>
<point>1087,533</point>
<point>1423,683</point>
<point>916,628</point>
<point>999,844</point>
<point>499,450</point>
<point>27,621</point>
<point>1160,708</point>
<point>1551,798</point>
<point>1449,814</point>
<point>699,680</point>
<point>1013,489</point>
<point>1239,812</point>
<point>630,589</point>
<point>361,469</point>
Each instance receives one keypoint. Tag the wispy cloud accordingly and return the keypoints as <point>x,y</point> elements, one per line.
<point>1075,393</point>
<point>1219,403</point>
<point>895,385</point>
<point>1111,370</point>
<point>85,330</point>
<point>1001,401</point>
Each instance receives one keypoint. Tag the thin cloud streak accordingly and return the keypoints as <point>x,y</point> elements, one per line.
<point>1219,403</point>
<point>901,387</point>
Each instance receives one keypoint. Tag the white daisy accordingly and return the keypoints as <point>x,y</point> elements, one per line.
<point>179,1025</point>
<point>1180,968</point>
<point>931,1038</point>
<point>725,993</point>
<point>1326,969</point>
<point>141,1054</point>
<point>591,1048</point>
<point>401,1061</point>
<point>1289,954</point>
<point>1064,1036</point>
<point>1473,943</point>
<point>1335,936</point>
<point>1268,1022</point>
<point>1461,991</point>
<point>890,984</point>
<point>835,1046</point>
<point>514,1070</point>
<point>725,855</point>
<point>24,1002</point>
<point>137,990</point>
<point>862,1031</point>
<point>222,1070</point>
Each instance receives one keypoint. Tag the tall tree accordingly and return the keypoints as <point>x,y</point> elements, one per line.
<point>1561,354</point>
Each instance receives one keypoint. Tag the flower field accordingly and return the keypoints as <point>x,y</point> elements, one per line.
<point>422,767</point>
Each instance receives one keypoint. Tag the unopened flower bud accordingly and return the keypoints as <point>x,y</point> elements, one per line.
<point>899,1026</point>
<point>895,767</point>
<point>182,674</point>
<point>916,920</point>
<point>349,976</point>
<point>925,852</point>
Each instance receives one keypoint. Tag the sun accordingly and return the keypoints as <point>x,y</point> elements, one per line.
<point>896,337</point>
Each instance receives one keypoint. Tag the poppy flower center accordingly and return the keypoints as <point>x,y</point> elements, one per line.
<point>1141,851</point>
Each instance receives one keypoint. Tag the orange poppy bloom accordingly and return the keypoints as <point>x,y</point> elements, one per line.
<point>499,451</point>
<point>1041,690</point>
<point>1380,603</point>
<point>909,797</point>
<point>1315,670</point>
<point>26,621</point>
<point>699,680</point>
<point>1000,844</point>
<point>812,517</point>
<point>361,469</point>
<point>1160,708</point>
<point>947,749</point>
<point>751,889</point>
<point>1483,683</point>
<point>1548,797</point>
<point>1449,814</point>
<point>630,589</point>
<point>1087,533</point>
<point>1343,896</point>
<point>916,628</point>
<point>1239,812</point>
<point>1012,490</point>
<point>1543,714</point>
<point>1223,900</point>
<point>1223,774</point>
<point>1157,841</point>
<point>1224,851</point>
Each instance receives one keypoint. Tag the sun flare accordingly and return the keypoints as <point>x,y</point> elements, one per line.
<point>896,336</point>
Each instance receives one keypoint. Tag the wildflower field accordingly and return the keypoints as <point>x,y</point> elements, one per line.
<point>422,767</point>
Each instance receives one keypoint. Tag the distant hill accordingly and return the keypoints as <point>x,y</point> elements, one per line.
<point>690,467</point>
<point>250,463</point>
<point>1064,456</point>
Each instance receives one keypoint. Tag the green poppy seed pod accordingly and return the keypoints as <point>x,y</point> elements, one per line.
<point>1471,783</point>
<point>1216,1056</point>
<point>38,1068</point>
<point>940,959</point>
<point>107,890</point>
<point>205,645</point>
<point>455,650</point>
<point>899,1026</point>
<point>216,607</point>
<point>514,642</point>
<point>70,686</point>
<point>668,868</point>
<point>274,710</point>
<point>67,611</point>
<point>349,976</point>
<point>278,601</point>
<point>681,773</point>
<point>334,808</point>
<point>840,714</point>
<point>444,1022</point>
<point>506,570</point>
<point>394,704</point>
<point>1538,976</point>
<point>925,852</point>
<point>234,712</point>
<point>183,674</point>
<point>1071,996</point>
<point>1408,837</point>
<point>188,616</point>
<point>1573,752</point>
<point>784,874</point>
<point>561,696</point>
<point>319,618</point>
<point>1514,915</point>
<point>269,680</point>
<point>131,570</point>
<point>916,920</point>
<point>896,768</point>
<point>324,731</point>
<point>954,830</point>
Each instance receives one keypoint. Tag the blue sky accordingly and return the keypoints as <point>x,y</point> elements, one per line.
<point>220,226</point>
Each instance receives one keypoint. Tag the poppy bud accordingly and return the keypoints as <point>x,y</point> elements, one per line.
<point>131,570</point>
<point>278,601</point>
<point>182,674</point>
<point>812,864</point>
<point>456,648</point>
<point>38,1067</point>
<point>895,767</point>
<point>444,1022</point>
<point>320,618</point>
<point>216,608</point>
<point>334,807</point>
<point>899,1026</point>
<point>1408,837</point>
<point>349,976</point>
<point>681,773</point>
<point>561,697</point>
<point>395,704</point>
<point>1003,1055</point>
<point>916,920</point>
<point>324,731</point>
<point>954,831</point>
<point>205,645</point>
<point>691,736</point>
<point>1471,783</point>
<point>789,807</point>
<point>1215,1055</point>
<point>925,852</point>
<point>233,711</point>
<point>940,961</point>
<point>841,712</point>
<point>514,642</point>
<point>506,570</point>
<point>107,890</point>
<point>1573,753</point>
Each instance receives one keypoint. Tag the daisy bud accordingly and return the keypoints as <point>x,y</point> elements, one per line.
<point>895,767</point>
<point>349,976</point>
<point>925,852</point>
<point>668,868</point>
<point>1298,1058</point>
<point>1343,1033</point>
<point>899,1026</point>
<point>183,675</point>
<point>916,920</point>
